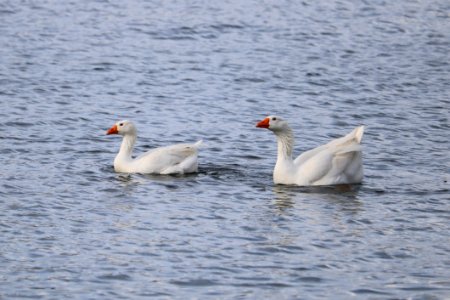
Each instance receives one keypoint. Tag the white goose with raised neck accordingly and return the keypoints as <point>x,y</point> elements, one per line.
<point>337,162</point>
<point>174,159</point>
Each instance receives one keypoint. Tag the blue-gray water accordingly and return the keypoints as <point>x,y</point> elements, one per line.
<point>186,70</point>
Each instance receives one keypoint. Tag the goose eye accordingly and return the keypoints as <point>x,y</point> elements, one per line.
<point>274,119</point>
<point>121,124</point>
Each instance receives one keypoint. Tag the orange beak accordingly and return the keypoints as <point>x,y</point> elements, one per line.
<point>113,130</point>
<point>264,123</point>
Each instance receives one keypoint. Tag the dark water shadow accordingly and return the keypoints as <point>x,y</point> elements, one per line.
<point>171,182</point>
<point>219,174</point>
<point>213,171</point>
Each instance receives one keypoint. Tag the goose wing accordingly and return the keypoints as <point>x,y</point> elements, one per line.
<point>179,158</point>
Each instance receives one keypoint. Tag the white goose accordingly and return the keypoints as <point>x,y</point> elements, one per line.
<point>338,162</point>
<point>175,159</point>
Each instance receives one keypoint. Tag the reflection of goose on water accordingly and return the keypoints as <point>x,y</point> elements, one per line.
<point>175,159</point>
<point>338,162</point>
<point>344,196</point>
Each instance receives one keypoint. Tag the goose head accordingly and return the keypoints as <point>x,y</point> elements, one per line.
<point>273,123</point>
<point>123,128</point>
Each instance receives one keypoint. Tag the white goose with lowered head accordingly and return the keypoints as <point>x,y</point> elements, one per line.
<point>175,159</point>
<point>338,162</point>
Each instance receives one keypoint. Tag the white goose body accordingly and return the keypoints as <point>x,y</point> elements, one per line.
<point>175,159</point>
<point>338,162</point>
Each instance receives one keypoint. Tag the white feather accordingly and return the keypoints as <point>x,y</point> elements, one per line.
<point>337,162</point>
<point>174,159</point>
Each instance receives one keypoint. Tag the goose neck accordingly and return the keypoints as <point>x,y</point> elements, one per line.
<point>285,140</point>
<point>126,148</point>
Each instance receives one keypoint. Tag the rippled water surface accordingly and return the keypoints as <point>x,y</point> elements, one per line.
<point>188,70</point>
